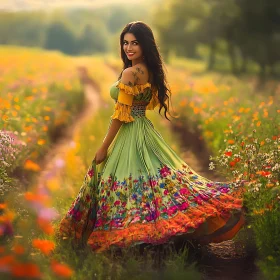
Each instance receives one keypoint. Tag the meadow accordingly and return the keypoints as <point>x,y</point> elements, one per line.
<point>41,95</point>
<point>241,126</point>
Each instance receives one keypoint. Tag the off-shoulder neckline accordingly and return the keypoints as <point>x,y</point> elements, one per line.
<point>148,83</point>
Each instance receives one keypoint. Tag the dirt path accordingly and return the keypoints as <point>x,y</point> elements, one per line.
<point>52,161</point>
<point>228,260</point>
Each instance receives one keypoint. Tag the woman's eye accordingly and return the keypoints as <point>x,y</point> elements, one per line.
<point>133,43</point>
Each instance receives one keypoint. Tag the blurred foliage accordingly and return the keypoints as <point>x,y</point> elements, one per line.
<point>244,31</point>
<point>72,32</point>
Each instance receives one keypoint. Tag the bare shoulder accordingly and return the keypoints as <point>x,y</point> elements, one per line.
<point>139,73</point>
<point>128,77</point>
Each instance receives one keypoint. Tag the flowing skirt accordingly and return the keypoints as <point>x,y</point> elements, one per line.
<point>143,192</point>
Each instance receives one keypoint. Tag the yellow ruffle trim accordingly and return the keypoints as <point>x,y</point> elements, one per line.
<point>154,102</point>
<point>134,90</point>
<point>137,89</point>
<point>122,112</point>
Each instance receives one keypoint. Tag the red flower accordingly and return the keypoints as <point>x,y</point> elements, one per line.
<point>183,206</point>
<point>165,171</point>
<point>117,202</point>
<point>90,173</point>
<point>198,200</point>
<point>184,191</point>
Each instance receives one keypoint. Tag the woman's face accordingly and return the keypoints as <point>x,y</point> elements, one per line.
<point>132,48</point>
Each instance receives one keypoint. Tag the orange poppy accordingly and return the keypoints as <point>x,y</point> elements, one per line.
<point>45,246</point>
<point>61,269</point>
<point>26,270</point>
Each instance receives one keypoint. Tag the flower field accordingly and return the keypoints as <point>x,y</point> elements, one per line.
<point>241,127</point>
<point>41,95</point>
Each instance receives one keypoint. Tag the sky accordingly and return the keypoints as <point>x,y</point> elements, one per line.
<point>25,5</point>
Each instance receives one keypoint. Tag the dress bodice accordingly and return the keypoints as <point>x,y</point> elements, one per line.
<point>133,101</point>
<point>142,93</point>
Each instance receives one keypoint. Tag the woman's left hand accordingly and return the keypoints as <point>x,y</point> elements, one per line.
<point>100,155</point>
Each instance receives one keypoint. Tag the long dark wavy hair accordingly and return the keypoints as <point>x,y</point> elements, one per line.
<point>144,35</point>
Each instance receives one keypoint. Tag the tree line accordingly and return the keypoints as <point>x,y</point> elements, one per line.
<point>73,32</point>
<point>243,30</point>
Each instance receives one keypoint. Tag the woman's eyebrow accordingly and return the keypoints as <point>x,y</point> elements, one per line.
<point>131,41</point>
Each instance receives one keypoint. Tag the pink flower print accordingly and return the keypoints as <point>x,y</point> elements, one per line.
<point>153,183</point>
<point>136,219</point>
<point>149,218</point>
<point>172,210</point>
<point>115,186</point>
<point>105,207</point>
<point>156,214</point>
<point>98,223</point>
<point>223,189</point>
<point>204,196</point>
<point>113,223</point>
<point>198,200</point>
<point>152,216</point>
<point>183,206</point>
<point>91,173</point>
<point>165,192</point>
<point>76,214</point>
<point>184,191</point>
<point>117,202</point>
<point>123,204</point>
<point>165,171</point>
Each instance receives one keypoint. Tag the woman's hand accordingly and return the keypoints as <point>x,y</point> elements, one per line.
<point>100,155</point>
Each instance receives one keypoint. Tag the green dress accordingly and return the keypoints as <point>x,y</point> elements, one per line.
<point>143,192</point>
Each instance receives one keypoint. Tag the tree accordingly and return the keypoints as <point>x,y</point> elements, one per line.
<point>59,37</point>
<point>93,39</point>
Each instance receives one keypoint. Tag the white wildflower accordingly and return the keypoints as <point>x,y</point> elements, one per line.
<point>211,166</point>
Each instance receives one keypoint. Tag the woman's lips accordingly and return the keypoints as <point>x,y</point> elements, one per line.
<point>130,54</point>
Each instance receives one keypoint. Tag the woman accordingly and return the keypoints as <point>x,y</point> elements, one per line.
<point>138,190</point>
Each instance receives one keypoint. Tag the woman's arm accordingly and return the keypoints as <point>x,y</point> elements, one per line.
<point>121,114</point>
<point>113,130</point>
